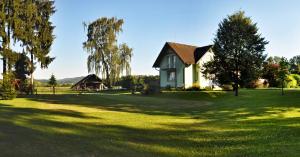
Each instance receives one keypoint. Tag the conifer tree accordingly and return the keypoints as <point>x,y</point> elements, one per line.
<point>238,52</point>
<point>52,82</point>
<point>38,32</point>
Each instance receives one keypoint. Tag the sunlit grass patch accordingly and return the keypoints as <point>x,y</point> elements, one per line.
<point>257,123</point>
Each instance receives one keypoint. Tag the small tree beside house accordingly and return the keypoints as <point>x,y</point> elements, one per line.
<point>52,82</point>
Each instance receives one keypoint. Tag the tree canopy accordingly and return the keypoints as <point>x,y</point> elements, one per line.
<point>238,52</point>
<point>105,56</point>
<point>26,23</point>
<point>295,64</point>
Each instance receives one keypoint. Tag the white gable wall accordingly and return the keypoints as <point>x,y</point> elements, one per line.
<point>188,76</point>
<point>203,82</point>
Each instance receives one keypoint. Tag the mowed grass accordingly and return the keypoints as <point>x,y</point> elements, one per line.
<point>257,123</point>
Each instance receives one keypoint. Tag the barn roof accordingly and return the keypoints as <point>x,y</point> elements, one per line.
<point>187,53</point>
<point>92,78</point>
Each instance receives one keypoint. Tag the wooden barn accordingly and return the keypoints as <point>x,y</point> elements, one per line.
<point>90,82</point>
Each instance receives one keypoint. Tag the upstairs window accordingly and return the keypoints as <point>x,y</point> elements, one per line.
<point>171,61</point>
<point>174,61</point>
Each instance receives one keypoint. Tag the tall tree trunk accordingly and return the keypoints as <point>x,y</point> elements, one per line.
<point>108,77</point>
<point>31,73</point>
<point>236,91</point>
<point>4,65</point>
<point>236,80</point>
<point>107,72</point>
<point>282,93</point>
<point>8,48</point>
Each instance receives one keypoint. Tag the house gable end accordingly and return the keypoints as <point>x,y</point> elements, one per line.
<point>167,49</point>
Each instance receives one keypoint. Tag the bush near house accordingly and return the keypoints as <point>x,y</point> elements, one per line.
<point>194,87</point>
<point>146,84</point>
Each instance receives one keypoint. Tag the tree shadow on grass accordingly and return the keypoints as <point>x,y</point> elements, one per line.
<point>193,104</point>
<point>241,129</point>
<point>39,137</point>
<point>26,136</point>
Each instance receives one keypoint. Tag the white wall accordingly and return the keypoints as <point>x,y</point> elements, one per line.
<point>188,76</point>
<point>203,82</point>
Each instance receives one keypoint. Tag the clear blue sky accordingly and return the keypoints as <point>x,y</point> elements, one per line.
<point>150,23</point>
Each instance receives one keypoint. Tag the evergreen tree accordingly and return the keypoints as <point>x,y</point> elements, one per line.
<point>9,30</point>
<point>37,32</point>
<point>52,82</point>
<point>22,70</point>
<point>26,22</point>
<point>238,49</point>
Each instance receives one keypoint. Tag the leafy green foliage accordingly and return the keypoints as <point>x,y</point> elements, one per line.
<point>238,52</point>
<point>283,71</point>
<point>292,81</point>
<point>140,83</point>
<point>7,89</point>
<point>295,64</point>
<point>270,71</point>
<point>105,56</point>
<point>297,78</point>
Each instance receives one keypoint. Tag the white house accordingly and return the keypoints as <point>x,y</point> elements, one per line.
<point>180,65</point>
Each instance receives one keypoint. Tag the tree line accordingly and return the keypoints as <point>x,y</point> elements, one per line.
<point>25,25</point>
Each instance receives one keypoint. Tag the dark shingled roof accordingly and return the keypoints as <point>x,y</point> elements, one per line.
<point>187,53</point>
<point>92,78</point>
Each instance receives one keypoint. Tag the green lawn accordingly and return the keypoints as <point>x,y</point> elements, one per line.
<point>257,123</point>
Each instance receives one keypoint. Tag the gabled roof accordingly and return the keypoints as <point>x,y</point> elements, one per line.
<point>92,78</point>
<point>187,53</point>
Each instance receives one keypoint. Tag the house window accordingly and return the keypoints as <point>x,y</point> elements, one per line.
<point>171,61</point>
<point>174,61</point>
<point>171,75</point>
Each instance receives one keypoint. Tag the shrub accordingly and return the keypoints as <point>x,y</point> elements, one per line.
<point>290,82</point>
<point>168,88</point>
<point>209,88</point>
<point>194,87</point>
<point>8,91</point>
<point>297,78</point>
<point>227,87</point>
<point>128,82</point>
<point>24,87</point>
<point>151,87</point>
